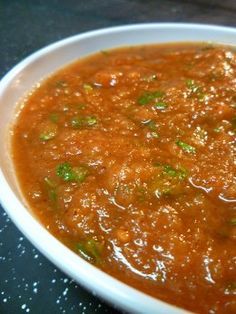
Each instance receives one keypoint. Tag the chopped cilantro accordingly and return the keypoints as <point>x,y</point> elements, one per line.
<point>79,122</point>
<point>179,173</point>
<point>51,189</point>
<point>195,89</point>
<point>170,170</point>
<point>75,174</point>
<point>192,86</point>
<point>54,117</point>
<point>151,125</point>
<point>49,182</point>
<point>167,181</point>
<point>52,194</point>
<point>47,136</point>
<point>154,135</point>
<point>65,172</point>
<point>90,120</point>
<point>232,221</point>
<point>160,105</point>
<point>88,88</point>
<point>217,130</point>
<point>202,96</point>
<point>186,147</point>
<point>80,173</point>
<point>90,250</point>
<point>147,97</point>
<point>48,131</point>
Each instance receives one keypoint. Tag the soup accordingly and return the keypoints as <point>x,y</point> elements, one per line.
<point>128,157</point>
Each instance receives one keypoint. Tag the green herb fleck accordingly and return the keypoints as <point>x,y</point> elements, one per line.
<point>69,174</point>
<point>48,131</point>
<point>65,172</point>
<point>192,86</point>
<point>202,96</point>
<point>49,182</point>
<point>154,135</point>
<point>51,189</point>
<point>54,117</point>
<point>180,173</point>
<point>186,147</point>
<point>90,250</point>
<point>217,130</point>
<point>147,97</point>
<point>170,171</point>
<point>79,122</point>
<point>168,181</point>
<point>80,173</point>
<point>88,88</point>
<point>151,125</point>
<point>232,221</point>
<point>46,136</point>
<point>52,194</point>
<point>160,105</point>
<point>195,89</point>
<point>90,121</point>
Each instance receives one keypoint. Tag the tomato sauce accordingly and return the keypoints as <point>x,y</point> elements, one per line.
<point>128,157</point>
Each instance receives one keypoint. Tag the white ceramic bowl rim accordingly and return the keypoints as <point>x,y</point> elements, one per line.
<point>89,276</point>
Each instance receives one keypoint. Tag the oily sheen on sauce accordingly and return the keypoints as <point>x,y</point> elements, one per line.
<point>128,157</point>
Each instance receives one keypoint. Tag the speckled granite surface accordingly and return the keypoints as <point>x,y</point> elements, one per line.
<point>29,283</point>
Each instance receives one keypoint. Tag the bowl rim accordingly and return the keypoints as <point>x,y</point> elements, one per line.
<point>87,275</point>
<point>102,31</point>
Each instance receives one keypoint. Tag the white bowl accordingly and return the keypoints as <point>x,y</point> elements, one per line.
<point>19,81</point>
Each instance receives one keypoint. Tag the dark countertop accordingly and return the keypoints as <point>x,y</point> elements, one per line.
<point>28,281</point>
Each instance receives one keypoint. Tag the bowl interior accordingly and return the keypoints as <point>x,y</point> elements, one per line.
<point>20,80</point>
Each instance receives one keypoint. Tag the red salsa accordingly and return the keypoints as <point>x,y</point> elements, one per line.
<point>129,158</point>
